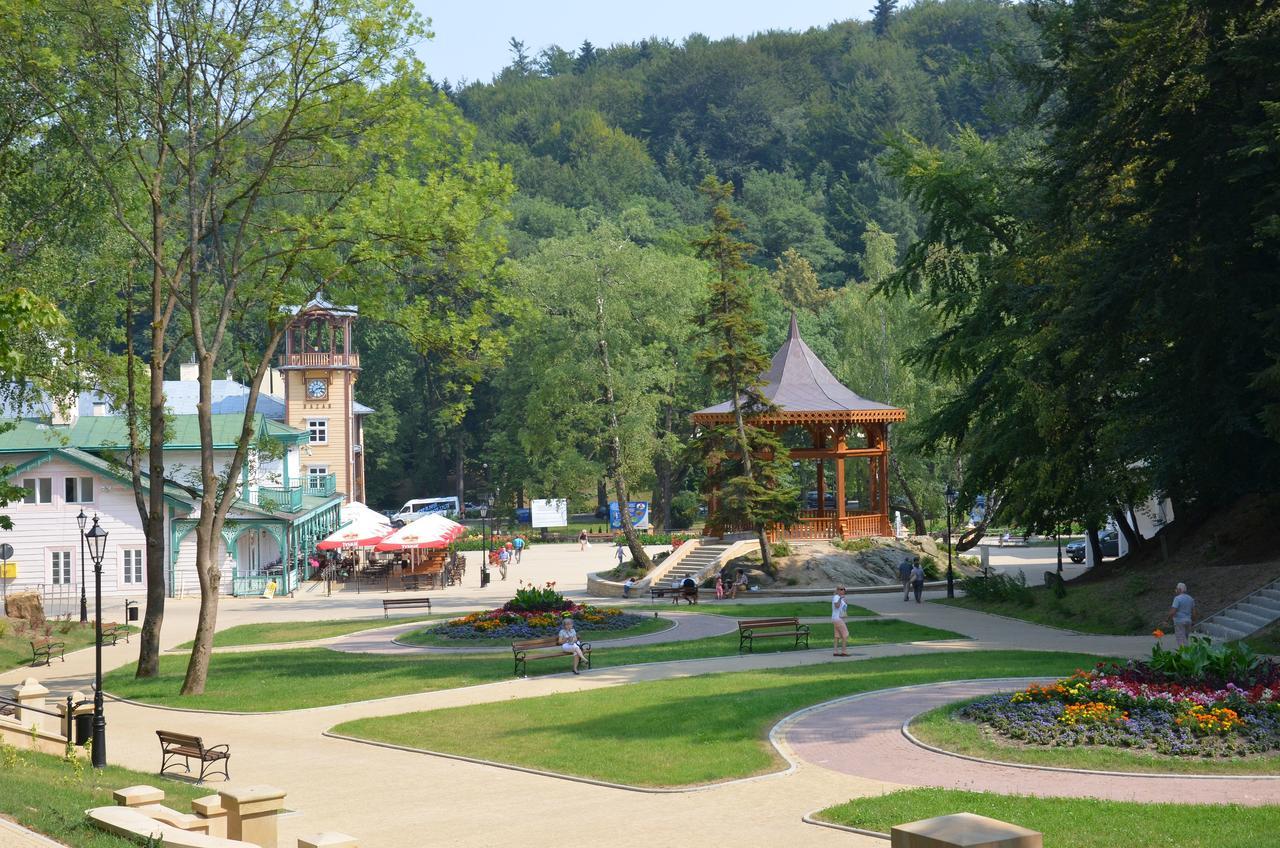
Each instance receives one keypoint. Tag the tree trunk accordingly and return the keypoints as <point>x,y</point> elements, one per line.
<point>1095,545</point>
<point>459,468</point>
<point>916,512</point>
<point>970,538</point>
<point>663,473</point>
<point>210,580</point>
<point>638,553</point>
<point>1130,534</point>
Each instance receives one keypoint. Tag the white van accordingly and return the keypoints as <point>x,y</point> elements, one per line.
<point>419,507</point>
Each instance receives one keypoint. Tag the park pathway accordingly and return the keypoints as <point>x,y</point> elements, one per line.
<point>398,799</point>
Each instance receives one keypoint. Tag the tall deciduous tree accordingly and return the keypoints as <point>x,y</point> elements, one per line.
<point>746,463</point>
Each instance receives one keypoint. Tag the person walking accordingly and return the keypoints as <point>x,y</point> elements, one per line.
<point>917,580</point>
<point>620,554</point>
<point>1182,612</point>
<point>720,587</point>
<point>504,559</point>
<point>568,640</point>
<point>518,544</point>
<point>582,540</point>
<point>840,630</point>
<point>904,574</point>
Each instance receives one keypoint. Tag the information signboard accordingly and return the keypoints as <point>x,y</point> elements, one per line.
<point>552,512</point>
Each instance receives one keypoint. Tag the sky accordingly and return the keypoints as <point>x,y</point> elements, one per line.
<point>471,37</point>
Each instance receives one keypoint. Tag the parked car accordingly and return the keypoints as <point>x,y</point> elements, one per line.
<point>1109,541</point>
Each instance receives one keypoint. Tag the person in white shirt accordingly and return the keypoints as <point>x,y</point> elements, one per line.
<point>839,609</point>
<point>1182,611</point>
<point>626,587</point>
<point>568,640</point>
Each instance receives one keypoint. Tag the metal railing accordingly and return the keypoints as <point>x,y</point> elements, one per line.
<point>322,485</point>
<point>280,498</point>
<point>320,359</point>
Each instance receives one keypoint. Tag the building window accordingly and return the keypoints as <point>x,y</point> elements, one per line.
<point>60,567</point>
<point>318,428</point>
<point>316,475</point>
<point>132,561</point>
<point>39,490</point>
<point>79,490</point>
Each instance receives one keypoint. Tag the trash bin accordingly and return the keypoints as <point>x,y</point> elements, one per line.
<point>130,611</point>
<point>84,726</point>
<point>484,577</point>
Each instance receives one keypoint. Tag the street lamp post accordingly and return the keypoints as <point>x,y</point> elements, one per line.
<point>1057,537</point>
<point>97,541</point>
<point>484,546</point>
<point>950,494</point>
<point>81,520</point>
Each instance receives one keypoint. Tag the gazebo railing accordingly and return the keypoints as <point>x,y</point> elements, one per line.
<point>819,529</point>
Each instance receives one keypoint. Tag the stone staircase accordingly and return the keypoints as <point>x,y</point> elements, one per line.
<point>698,563</point>
<point>1245,617</point>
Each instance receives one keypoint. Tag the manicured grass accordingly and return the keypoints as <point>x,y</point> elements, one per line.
<point>264,681</point>
<point>681,731</point>
<point>15,647</point>
<point>800,609</point>
<point>272,632</point>
<point>1091,608</point>
<point>939,727</point>
<point>49,795</point>
<point>1073,822</point>
<point>426,637</point>
<point>1266,640</point>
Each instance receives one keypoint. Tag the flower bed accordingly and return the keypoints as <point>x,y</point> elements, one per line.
<point>1199,701</point>
<point>534,612</point>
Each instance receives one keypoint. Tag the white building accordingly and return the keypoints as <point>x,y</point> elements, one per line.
<point>305,454</point>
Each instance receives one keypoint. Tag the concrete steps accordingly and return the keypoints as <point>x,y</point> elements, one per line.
<point>1245,617</point>
<point>698,562</point>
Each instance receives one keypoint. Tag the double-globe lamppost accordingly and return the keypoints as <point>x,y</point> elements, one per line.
<point>96,539</point>
<point>950,494</point>
<point>81,520</point>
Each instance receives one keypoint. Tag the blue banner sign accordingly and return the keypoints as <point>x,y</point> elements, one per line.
<point>639,515</point>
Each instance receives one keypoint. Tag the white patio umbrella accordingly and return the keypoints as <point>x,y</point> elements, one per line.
<point>351,511</point>
<point>363,532</point>
<point>430,531</point>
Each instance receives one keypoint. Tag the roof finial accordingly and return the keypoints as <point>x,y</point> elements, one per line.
<point>795,328</point>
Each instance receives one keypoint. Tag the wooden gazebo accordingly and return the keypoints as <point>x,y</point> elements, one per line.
<point>840,425</point>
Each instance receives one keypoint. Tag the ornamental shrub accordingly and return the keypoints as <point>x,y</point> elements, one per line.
<point>533,598</point>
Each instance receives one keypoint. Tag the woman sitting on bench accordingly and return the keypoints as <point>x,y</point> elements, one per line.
<point>568,640</point>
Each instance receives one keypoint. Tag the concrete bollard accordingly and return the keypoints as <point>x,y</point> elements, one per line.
<point>137,796</point>
<point>30,696</point>
<point>328,839</point>
<point>210,808</point>
<point>963,830</point>
<point>252,813</point>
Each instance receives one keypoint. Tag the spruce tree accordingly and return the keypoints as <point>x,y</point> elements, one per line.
<point>586,57</point>
<point>746,463</point>
<point>882,15</point>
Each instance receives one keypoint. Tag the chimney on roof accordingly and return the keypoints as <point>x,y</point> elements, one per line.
<point>189,372</point>
<point>64,412</point>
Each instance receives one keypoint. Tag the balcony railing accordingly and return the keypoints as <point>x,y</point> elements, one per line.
<point>322,485</point>
<point>320,359</point>
<point>280,498</point>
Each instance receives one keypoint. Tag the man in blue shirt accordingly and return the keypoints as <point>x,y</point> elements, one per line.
<point>518,544</point>
<point>1182,611</point>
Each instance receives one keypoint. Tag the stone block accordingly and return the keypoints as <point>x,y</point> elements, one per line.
<point>137,796</point>
<point>210,807</point>
<point>252,813</point>
<point>30,695</point>
<point>328,839</point>
<point>963,830</point>
<point>24,605</point>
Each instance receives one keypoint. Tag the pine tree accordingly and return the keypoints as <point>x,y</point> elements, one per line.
<point>586,57</point>
<point>747,464</point>
<point>520,62</point>
<point>882,16</point>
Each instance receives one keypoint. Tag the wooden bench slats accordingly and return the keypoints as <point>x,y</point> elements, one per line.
<point>42,653</point>
<point>783,626</point>
<point>520,651</point>
<point>389,604</point>
<point>213,759</point>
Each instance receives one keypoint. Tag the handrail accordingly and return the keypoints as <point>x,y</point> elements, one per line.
<point>67,718</point>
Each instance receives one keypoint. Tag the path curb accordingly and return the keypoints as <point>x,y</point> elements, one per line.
<point>808,818</point>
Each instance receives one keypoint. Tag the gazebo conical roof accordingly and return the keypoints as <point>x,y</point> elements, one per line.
<point>803,391</point>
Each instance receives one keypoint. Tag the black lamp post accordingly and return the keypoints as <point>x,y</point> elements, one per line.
<point>950,494</point>
<point>484,546</point>
<point>97,541</point>
<point>1057,537</point>
<point>81,520</point>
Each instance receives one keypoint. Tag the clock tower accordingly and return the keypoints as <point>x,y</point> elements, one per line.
<point>320,369</point>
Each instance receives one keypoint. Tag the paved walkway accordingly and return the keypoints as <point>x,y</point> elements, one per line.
<point>395,799</point>
<point>863,737</point>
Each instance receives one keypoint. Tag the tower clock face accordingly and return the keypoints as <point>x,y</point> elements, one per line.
<point>317,388</point>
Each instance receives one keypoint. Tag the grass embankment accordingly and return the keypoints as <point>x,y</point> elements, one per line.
<point>427,638</point>
<point>1073,822</point>
<point>1266,640</point>
<point>941,728</point>
<point>49,794</point>
<point>1098,607</point>
<point>786,609</point>
<point>290,679</point>
<point>682,731</point>
<point>15,647</point>
<point>277,632</point>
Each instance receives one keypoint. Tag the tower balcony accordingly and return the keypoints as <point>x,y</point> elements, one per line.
<point>318,359</point>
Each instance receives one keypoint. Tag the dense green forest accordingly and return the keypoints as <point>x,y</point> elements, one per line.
<point>608,147</point>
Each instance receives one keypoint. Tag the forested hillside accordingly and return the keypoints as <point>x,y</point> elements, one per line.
<point>608,147</point>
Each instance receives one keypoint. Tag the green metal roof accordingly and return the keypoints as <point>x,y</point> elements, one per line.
<point>173,493</point>
<point>111,432</point>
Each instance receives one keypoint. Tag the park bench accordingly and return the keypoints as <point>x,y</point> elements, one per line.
<point>770,628</point>
<point>389,604</point>
<point>542,649</point>
<point>676,593</point>
<point>113,632</point>
<point>181,745</point>
<point>43,652</point>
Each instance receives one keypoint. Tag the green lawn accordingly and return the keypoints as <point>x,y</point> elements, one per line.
<point>311,677</point>
<point>786,609</point>
<point>682,731</point>
<point>15,646</point>
<point>50,795</point>
<point>1266,640</point>
<point>1073,822</point>
<point>1090,608</point>
<point>426,637</point>
<point>273,632</point>
<point>938,727</point>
